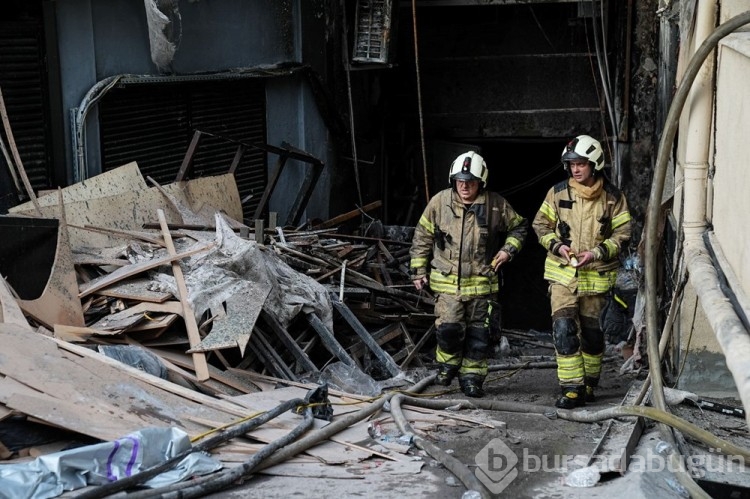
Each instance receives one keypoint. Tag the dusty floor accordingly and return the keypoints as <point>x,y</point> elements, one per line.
<point>535,456</point>
<point>546,451</point>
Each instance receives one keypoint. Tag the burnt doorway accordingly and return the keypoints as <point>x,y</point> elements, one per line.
<point>523,171</point>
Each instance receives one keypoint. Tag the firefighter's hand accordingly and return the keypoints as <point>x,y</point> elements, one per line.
<point>420,283</point>
<point>564,251</point>
<point>501,257</point>
<point>584,258</point>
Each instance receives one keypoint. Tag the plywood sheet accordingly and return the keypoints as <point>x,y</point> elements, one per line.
<point>123,179</point>
<point>91,390</point>
<point>131,209</point>
<point>59,302</point>
<point>218,191</point>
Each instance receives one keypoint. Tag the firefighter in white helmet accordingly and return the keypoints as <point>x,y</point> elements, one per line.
<point>583,224</point>
<point>464,236</point>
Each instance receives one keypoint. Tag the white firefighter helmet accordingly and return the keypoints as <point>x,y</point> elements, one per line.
<point>469,166</point>
<point>586,148</point>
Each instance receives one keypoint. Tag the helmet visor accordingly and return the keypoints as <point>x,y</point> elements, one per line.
<point>465,176</point>
<point>572,155</point>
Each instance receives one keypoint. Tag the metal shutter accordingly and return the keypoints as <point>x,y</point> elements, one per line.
<point>153,124</point>
<point>22,78</point>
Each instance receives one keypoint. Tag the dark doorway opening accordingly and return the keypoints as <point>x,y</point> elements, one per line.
<point>523,171</point>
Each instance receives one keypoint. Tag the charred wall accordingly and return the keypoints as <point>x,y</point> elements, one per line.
<point>515,82</point>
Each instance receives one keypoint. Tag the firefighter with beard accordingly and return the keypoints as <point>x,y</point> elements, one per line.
<point>463,238</point>
<point>583,224</point>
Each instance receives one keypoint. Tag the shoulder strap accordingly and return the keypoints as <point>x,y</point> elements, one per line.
<point>611,189</point>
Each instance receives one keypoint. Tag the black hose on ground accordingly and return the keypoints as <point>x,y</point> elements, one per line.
<point>337,426</point>
<point>462,472</point>
<point>205,445</point>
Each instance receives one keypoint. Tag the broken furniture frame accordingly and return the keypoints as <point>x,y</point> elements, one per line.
<point>284,153</point>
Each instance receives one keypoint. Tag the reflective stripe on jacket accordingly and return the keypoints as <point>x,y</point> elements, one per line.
<point>456,244</point>
<point>600,225</point>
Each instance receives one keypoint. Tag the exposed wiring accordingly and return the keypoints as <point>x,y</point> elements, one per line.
<point>687,346</point>
<point>345,48</point>
<point>419,101</point>
<point>601,58</point>
<point>541,29</point>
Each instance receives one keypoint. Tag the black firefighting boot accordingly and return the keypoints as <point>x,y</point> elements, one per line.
<point>445,374</point>
<point>589,396</point>
<point>591,383</point>
<point>572,396</point>
<point>471,385</point>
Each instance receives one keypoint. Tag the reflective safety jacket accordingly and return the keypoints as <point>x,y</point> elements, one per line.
<point>592,219</point>
<point>456,243</point>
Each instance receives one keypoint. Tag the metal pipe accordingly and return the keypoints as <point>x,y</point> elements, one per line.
<point>732,337</point>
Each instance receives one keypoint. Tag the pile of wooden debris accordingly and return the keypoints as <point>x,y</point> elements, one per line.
<point>162,309</point>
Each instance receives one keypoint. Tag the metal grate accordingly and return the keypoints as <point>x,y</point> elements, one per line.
<point>372,31</point>
<point>154,123</point>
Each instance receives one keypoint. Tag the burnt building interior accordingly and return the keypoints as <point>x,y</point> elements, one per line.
<point>513,81</point>
<point>413,84</point>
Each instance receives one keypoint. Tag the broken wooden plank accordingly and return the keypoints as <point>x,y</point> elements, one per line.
<point>181,361</point>
<point>410,346</point>
<point>199,359</point>
<point>11,312</point>
<point>76,334</point>
<point>94,390</point>
<point>135,269</point>
<point>418,347</point>
<point>615,447</point>
<point>367,282</point>
<point>314,169</point>
<point>383,336</point>
<point>131,316</point>
<point>186,168</point>
<point>273,359</point>
<point>130,234</point>
<point>349,215</point>
<point>135,289</point>
<point>16,155</point>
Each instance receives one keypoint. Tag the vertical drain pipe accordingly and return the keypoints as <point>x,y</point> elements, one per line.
<point>698,133</point>
<point>731,334</point>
